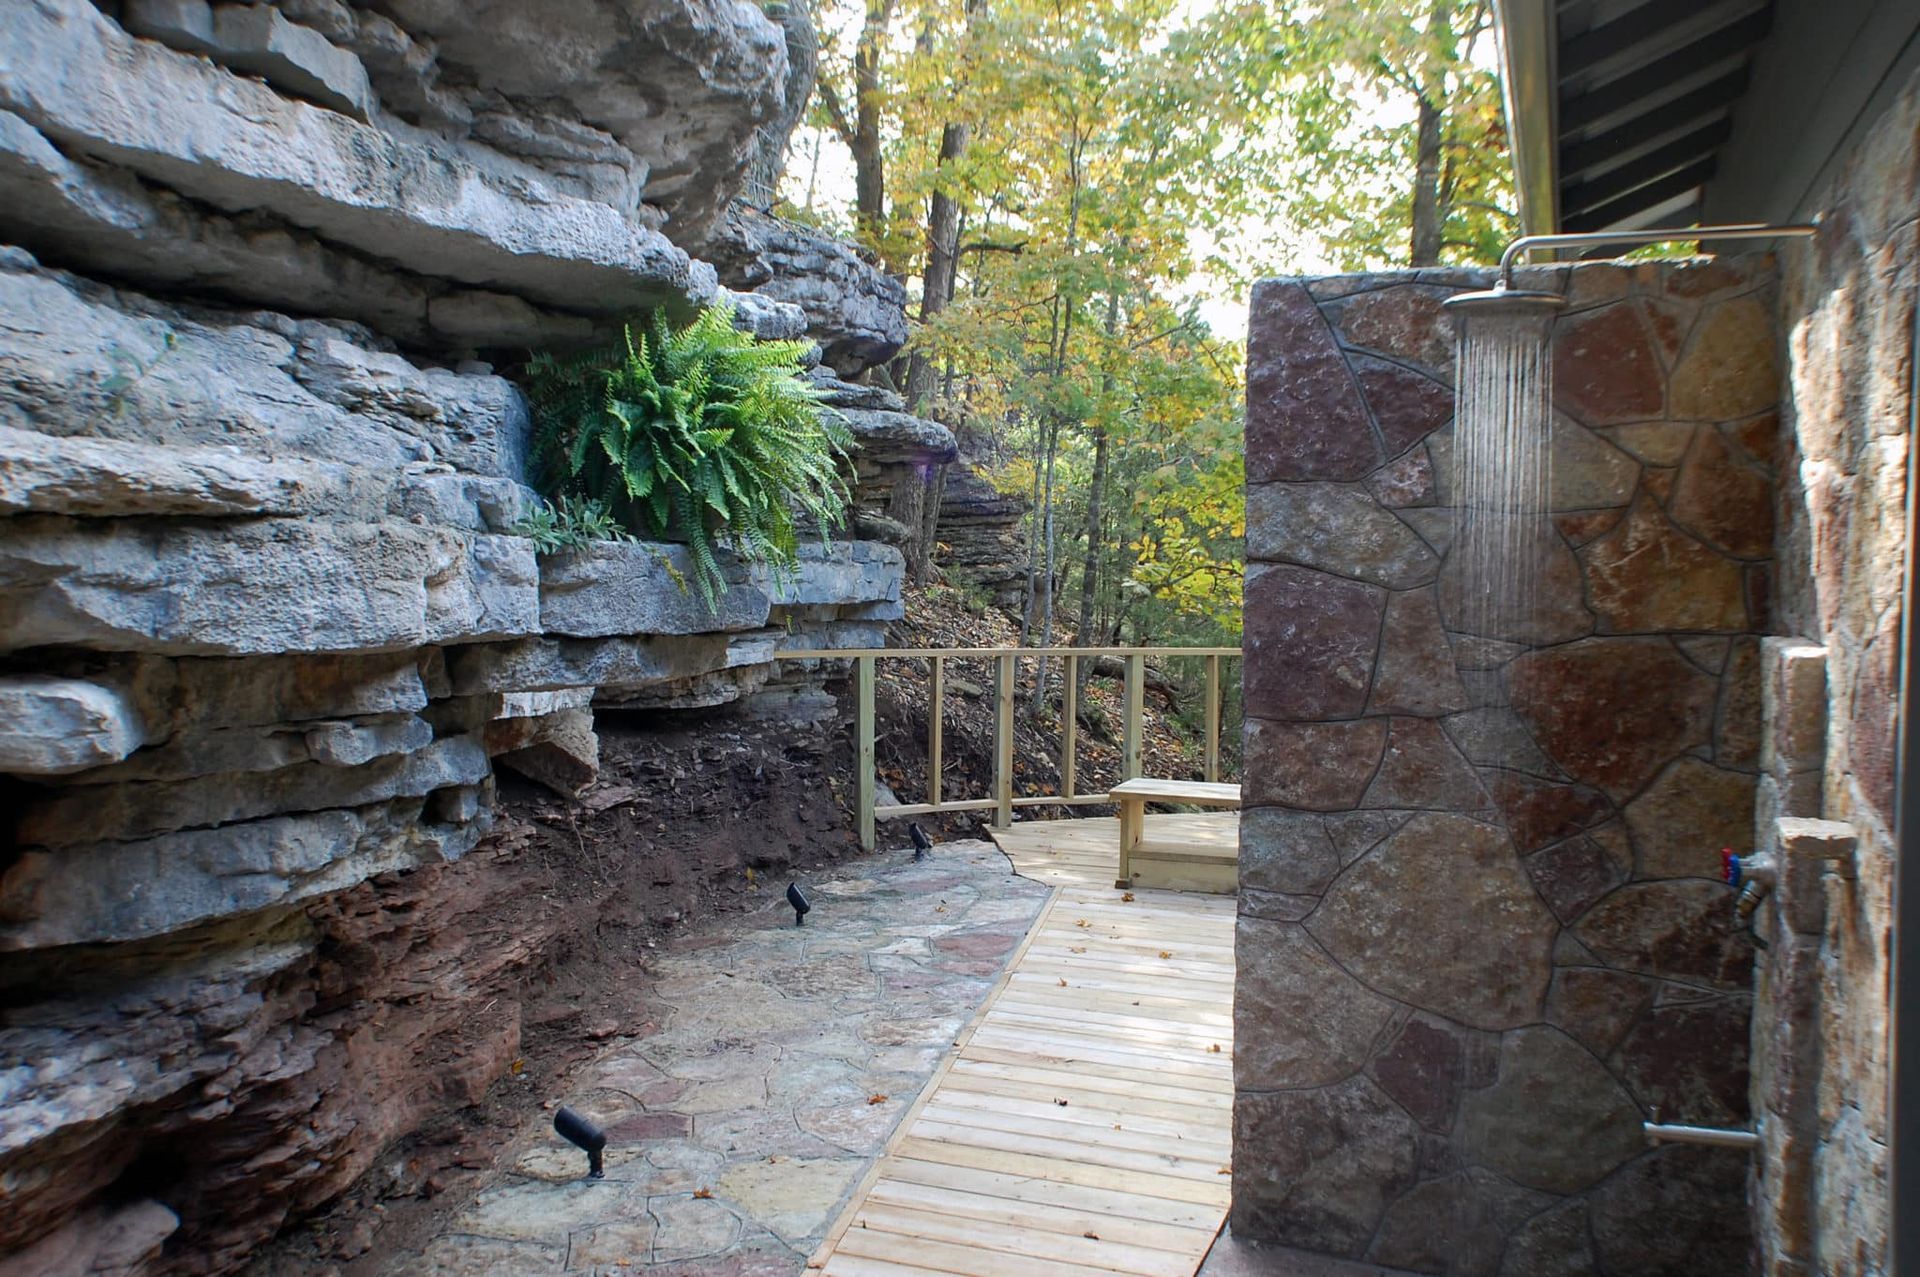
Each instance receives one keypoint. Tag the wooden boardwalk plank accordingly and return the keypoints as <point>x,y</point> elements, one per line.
<point>1079,1128</point>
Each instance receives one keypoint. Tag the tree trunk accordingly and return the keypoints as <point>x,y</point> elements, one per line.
<point>1096,498</point>
<point>920,555</point>
<point>1045,607</point>
<point>1427,221</point>
<point>943,245</point>
<point>869,171</point>
<point>1429,218</point>
<point>943,238</point>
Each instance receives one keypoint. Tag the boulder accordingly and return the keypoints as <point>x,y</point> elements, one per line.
<point>671,93</point>
<point>563,753</point>
<point>45,474</point>
<point>311,401</point>
<point>840,573</point>
<point>550,664</point>
<point>130,810</point>
<point>258,40</point>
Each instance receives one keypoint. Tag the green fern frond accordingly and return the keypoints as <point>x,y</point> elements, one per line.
<point>700,433</point>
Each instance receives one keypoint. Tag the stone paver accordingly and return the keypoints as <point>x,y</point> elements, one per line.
<point>783,1059</point>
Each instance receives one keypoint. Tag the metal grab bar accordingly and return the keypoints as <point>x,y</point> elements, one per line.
<point>1710,1136</point>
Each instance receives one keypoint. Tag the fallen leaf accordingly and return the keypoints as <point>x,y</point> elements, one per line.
<point>1063,984</point>
<point>1090,1235</point>
<point>702,1194</point>
<point>1166,953</point>
<point>518,1065</point>
<point>881,1099</point>
<point>1082,922</point>
<point>1127,898</point>
<point>1214,1049</point>
<point>1224,1170</point>
<point>1077,948</point>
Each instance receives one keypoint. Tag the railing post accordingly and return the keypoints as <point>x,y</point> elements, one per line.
<point>1069,724</point>
<point>863,764</point>
<point>1130,736</point>
<point>1213,719</point>
<point>938,684</point>
<point>1003,740</point>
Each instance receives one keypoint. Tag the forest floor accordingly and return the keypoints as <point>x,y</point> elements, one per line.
<point>941,617</point>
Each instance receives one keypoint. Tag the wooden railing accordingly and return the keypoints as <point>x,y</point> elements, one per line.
<point>1005,661</point>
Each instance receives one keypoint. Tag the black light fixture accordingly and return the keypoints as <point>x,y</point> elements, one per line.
<point>801,905</point>
<point>581,1133</point>
<point>921,843</point>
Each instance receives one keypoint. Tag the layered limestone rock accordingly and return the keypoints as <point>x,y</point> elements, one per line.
<point>854,310</point>
<point>268,631</point>
<point>981,542</point>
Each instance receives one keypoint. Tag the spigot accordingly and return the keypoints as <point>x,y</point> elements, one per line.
<point>1753,877</point>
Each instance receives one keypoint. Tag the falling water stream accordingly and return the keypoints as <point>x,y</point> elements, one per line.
<point>1502,462</point>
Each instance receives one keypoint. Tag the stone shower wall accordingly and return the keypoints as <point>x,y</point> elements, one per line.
<point>1847,314</point>
<point>1482,936</point>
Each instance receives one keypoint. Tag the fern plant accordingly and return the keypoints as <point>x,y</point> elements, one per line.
<point>700,433</point>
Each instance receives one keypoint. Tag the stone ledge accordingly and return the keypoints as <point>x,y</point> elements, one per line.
<point>558,664</point>
<point>131,810</point>
<point>640,587</point>
<point>260,588</point>
<point>82,359</point>
<point>238,145</point>
<point>52,726</point>
<point>81,895</point>
<point>47,474</point>
<point>838,573</point>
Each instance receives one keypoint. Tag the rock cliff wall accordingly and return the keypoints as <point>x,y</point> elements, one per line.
<point>266,631</point>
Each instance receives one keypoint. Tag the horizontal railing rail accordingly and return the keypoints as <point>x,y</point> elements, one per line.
<point>1006,661</point>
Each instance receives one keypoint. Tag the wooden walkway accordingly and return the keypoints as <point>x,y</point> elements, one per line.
<point>1087,852</point>
<point>1082,1123</point>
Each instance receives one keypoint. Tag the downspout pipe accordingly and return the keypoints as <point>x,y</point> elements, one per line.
<point>1903,1078</point>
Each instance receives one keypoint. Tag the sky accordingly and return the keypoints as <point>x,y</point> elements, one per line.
<point>820,166</point>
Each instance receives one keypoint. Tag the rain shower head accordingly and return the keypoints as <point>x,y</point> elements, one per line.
<point>1502,300</point>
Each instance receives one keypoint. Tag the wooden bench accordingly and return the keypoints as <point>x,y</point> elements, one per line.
<point>1133,797</point>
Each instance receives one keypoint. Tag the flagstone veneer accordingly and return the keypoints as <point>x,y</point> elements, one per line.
<point>1481,938</point>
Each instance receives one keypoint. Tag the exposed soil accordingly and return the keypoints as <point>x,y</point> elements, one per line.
<point>555,917</point>
<point>495,978</point>
<point>939,618</point>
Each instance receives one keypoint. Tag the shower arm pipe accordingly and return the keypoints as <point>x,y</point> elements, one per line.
<point>1600,239</point>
